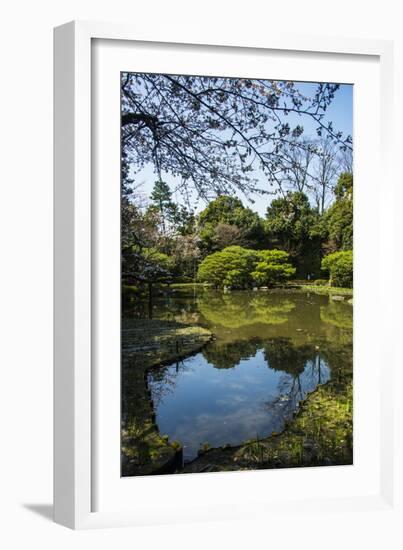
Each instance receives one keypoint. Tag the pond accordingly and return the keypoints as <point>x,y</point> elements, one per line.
<point>271,349</point>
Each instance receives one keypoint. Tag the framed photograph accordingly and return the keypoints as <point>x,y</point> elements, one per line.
<point>217,220</point>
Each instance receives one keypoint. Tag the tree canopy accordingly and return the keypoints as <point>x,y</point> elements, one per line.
<point>294,225</point>
<point>238,267</point>
<point>218,139</point>
<point>339,265</point>
<point>339,217</point>
<point>230,267</point>
<point>226,221</point>
<point>217,134</point>
<point>173,217</point>
<point>272,267</point>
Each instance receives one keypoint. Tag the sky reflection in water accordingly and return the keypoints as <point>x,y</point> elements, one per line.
<point>198,403</point>
<point>271,349</point>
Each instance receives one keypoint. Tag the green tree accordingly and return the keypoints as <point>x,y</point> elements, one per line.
<point>339,265</point>
<point>294,226</point>
<point>272,267</point>
<point>338,218</point>
<point>139,233</point>
<point>227,221</point>
<point>238,267</point>
<point>151,266</point>
<point>184,220</point>
<point>174,220</point>
<point>161,196</point>
<point>229,267</point>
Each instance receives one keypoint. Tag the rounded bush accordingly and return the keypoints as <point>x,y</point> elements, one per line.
<point>339,265</point>
<point>240,268</point>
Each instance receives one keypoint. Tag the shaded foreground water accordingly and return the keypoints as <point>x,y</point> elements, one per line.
<point>271,349</point>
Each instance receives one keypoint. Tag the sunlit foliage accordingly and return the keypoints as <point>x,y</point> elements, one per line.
<point>340,267</point>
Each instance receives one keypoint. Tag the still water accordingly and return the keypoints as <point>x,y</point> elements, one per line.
<point>270,350</point>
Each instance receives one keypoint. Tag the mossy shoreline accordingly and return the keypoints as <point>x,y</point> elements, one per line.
<point>148,344</point>
<point>325,289</point>
<point>319,434</point>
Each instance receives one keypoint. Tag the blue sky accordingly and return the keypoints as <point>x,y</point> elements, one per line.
<point>340,112</point>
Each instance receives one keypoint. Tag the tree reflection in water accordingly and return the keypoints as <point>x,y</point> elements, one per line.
<point>304,369</point>
<point>270,351</point>
<point>189,398</point>
<point>163,380</point>
<point>239,309</point>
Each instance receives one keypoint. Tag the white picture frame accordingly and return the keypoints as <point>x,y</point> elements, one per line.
<point>76,390</point>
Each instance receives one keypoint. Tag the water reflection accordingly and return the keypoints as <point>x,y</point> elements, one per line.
<point>271,349</point>
<point>338,314</point>
<point>244,315</point>
<point>249,393</point>
<point>235,310</point>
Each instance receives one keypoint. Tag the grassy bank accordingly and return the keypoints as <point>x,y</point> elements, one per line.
<point>320,434</point>
<point>325,289</point>
<point>290,285</point>
<point>147,344</point>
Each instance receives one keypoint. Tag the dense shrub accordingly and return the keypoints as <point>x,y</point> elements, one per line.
<point>272,267</point>
<point>338,219</point>
<point>230,267</point>
<point>238,267</point>
<point>339,265</point>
